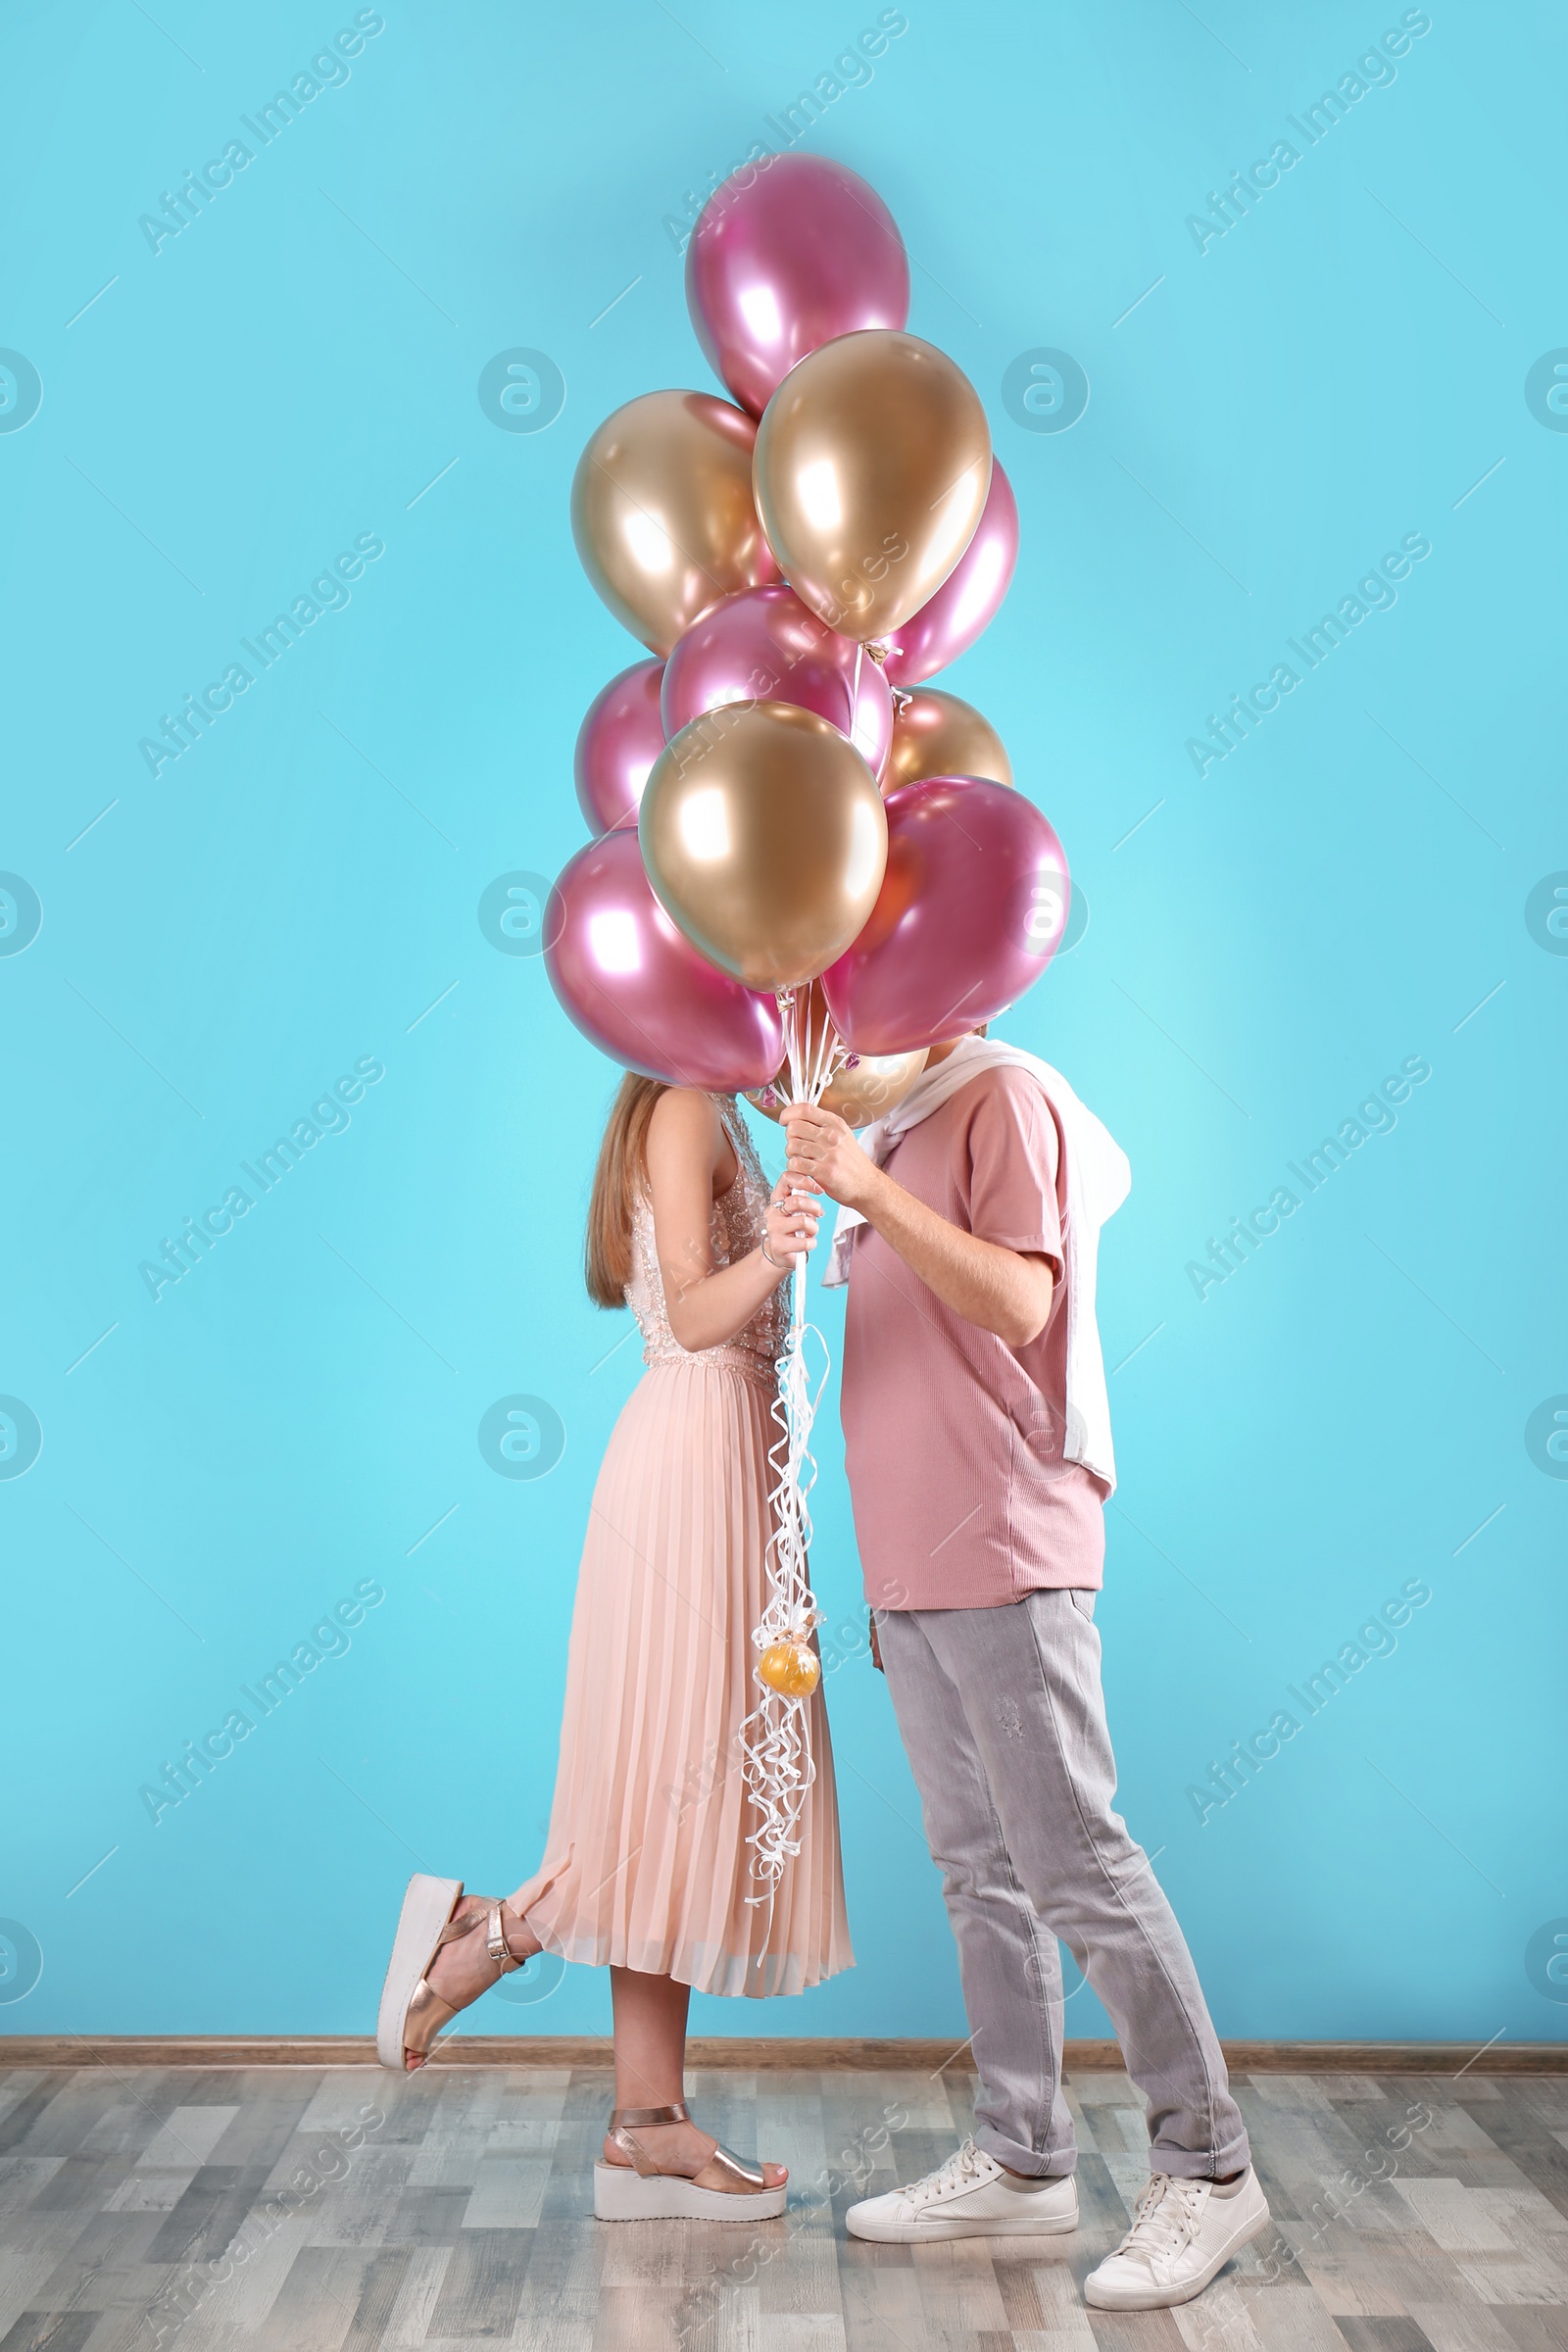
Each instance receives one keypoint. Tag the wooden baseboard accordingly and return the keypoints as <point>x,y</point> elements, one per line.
<point>752,2055</point>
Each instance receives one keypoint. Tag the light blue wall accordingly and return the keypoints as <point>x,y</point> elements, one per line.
<point>1266,943</point>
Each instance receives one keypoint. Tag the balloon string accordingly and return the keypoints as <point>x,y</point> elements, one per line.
<point>776,1743</point>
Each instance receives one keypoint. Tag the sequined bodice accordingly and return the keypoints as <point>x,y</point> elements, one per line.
<point>737,1229</point>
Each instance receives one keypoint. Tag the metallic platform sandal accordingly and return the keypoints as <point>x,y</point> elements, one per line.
<point>412,2015</point>
<point>726,2189</point>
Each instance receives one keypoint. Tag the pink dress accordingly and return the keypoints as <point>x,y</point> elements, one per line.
<point>645,1865</point>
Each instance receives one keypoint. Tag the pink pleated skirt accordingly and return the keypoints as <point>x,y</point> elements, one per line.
<point>647,1864</point>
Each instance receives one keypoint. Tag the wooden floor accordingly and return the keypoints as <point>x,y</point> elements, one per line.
<point>333,2210</point>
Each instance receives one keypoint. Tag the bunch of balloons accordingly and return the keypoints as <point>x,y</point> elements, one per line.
<point>778,798</point>
<point>809,866</point>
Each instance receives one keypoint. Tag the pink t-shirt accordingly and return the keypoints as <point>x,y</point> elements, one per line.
<point>954,1440</point>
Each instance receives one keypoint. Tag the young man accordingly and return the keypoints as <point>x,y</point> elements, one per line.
<point>978,1447</point>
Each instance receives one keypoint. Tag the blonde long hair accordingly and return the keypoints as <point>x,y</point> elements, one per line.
<point>620,1177</point>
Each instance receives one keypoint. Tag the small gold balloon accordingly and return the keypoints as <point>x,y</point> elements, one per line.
<point>765,837</point>
<point>872,465</point>
<point>868,1086</point>
<point>790,1668</point>
<point>935,734</point>
<point>662,513</point>
<point>865,1088</point>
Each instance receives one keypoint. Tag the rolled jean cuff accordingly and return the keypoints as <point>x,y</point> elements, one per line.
<point>1020,2159</point>
<point>1191,2164</point>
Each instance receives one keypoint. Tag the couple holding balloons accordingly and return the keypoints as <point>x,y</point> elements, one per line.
<point>814,882</point>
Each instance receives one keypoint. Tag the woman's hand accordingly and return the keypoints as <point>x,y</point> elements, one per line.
<point>823,1152</point>
<point>792,1212</point>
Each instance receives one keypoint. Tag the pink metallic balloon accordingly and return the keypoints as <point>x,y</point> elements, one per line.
<point>967,600</point>
<point>617,744</point>
<point>786,255</point>
<point>765,646</point>
<point>971,910</point>
<point>637,988</point>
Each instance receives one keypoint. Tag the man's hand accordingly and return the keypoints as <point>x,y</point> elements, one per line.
<point>824,1151</point>
<point>1006,1291</point>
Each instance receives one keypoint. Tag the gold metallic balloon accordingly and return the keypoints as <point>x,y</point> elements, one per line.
<point>763,835</point>
<point>662,513</point>
<point>790,1668</point>
<point>872,465</point>
<point>935,734</point>
<point>868,1086</point>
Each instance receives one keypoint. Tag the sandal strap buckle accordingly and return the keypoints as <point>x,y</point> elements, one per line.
<point>495,1941</point>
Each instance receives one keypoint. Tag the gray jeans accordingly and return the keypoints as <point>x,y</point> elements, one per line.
<point>1001,1713</point>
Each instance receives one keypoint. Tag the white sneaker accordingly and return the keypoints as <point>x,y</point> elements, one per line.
<point>1183,2234</point>
<point>971,2195</point>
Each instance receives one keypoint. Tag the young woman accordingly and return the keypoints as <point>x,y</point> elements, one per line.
<point>647,1867</point>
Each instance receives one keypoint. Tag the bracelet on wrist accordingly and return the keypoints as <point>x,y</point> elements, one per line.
<point>772,1260</point>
